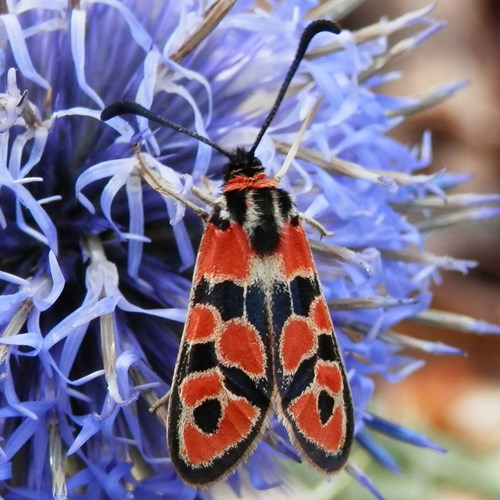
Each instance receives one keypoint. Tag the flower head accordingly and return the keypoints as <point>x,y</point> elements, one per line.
<point>94,281</point>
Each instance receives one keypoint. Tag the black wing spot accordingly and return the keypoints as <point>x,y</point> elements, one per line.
<point>282,306</point>
<point>207,415</point>
<point>201,292</point>
<point>325,406</point>
<point>201,357</point>
<point>258,393</point>
<point>304,291</point>
<point>326,348</point>
<point>256,310</point>
<point>294,386</point>
<point>227,297</point>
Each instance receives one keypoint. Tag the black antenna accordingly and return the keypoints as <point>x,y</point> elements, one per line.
<point>124,107</point>
<point>308,34</point>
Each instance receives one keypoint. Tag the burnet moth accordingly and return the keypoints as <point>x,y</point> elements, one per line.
<point>258,335</point>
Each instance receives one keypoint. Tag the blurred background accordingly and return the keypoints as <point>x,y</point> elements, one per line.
<point>455,400</point>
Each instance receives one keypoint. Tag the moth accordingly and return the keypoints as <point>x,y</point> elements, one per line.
<point>258,336</point>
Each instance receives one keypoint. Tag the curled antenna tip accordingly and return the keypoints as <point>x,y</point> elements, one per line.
<point>122,108</point>
<point>311,30</point>
<point>321,25</point>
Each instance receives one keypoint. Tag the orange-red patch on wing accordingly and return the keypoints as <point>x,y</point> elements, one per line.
<point>329,436</point>
<point>202,386</point>
<point>224,254</point>
<point>201,323</point>
<point>328,376</point>
<point>237,421</point>
<point>294,250</point>
<point>297,343</point>
<point>321,316</point>
<point>239,345</point>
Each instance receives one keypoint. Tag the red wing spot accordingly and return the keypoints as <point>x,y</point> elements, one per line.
<point>297,343</point>
<point>328,376</point>
<point>201,324</point>
<point>199,387</point>
<point>321,316</point>
<point>239,344</point>
<point>294,250</point>
<point>224,253</point>
<point>329,436</point>
<point>237,420</point>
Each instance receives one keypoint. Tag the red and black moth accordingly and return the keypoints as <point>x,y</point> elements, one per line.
<point>258,335</point>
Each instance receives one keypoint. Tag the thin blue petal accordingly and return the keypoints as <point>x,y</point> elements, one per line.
<point>20,50</point>
<point>48,235</point>
<point>77,29</point>
<point>58,283</point>
<point>364,480</point>
<point>90,426</point>
<point>377,451</point>
<point>5,471</point>
<point>396,431</point>
<point>139,34</point>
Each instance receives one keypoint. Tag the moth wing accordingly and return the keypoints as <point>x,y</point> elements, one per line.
<point>312,387</point>
<point>222,385</point>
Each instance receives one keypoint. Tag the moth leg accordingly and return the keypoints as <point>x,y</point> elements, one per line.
<point>315,225</point>
<point>163,401</point>
<point>163,187</point>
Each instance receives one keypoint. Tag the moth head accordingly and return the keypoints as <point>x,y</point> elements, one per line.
<point>242,163</point>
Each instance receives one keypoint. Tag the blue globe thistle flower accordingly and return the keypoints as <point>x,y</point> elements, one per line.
<point>94,280</point>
